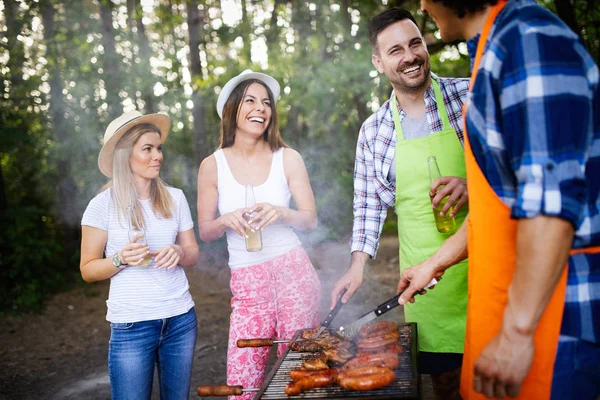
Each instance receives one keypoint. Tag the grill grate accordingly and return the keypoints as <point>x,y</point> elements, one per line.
<point>406,386</point>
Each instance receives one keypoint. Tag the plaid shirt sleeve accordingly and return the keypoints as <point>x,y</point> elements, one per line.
<point>547,109</point>
<point>369,210</point>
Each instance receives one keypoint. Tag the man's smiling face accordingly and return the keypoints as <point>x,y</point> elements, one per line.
<point>402,56</point>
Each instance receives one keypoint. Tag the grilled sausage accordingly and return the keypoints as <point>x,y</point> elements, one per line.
<point>377,341</point>
<point>394,348</point>
<point>386,360</point>
<point>377,328</point>
<point>297,374</point>
<point>312,381</point>
<point>366,378</point>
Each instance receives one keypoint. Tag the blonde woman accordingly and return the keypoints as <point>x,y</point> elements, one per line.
<point>150,309</point>
<point>276,290</point>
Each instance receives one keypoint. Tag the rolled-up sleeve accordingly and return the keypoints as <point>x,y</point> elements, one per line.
<point>369,212</point>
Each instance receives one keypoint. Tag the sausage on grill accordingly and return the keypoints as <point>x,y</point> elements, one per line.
<point>366,378</point>
<point>297,374</point>
<point>377,328</point>
<point>376,341</point>
<point>312,381</point>
<point>386,360</point>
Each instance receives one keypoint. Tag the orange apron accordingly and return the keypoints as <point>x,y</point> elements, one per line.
<point>492,244</point>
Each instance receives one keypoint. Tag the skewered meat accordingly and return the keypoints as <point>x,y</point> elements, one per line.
<point>366,378</point>
<point>327,340</point>
<point>309,346</point>
<point>312,381</point>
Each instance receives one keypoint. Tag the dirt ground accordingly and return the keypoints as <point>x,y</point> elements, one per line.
<point>62,353</point>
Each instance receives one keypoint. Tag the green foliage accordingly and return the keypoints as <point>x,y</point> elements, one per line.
<point>32,260</point>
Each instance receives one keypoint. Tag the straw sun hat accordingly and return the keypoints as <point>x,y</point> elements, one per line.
<point>244,76</point>
<point>117,128</point>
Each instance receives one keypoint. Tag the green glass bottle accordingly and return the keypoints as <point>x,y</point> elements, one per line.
<point>445,223</point>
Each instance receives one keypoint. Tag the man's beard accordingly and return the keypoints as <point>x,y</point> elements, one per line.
<point>411,87</point>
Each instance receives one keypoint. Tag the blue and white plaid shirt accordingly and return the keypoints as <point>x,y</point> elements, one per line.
<point>375,150</point>
<point>536,137</point>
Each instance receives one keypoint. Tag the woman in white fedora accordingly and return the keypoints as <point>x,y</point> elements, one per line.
<point>150,309</point>
<point>275,290</point>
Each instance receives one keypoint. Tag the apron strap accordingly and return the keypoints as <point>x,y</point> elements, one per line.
<point>439,101</point>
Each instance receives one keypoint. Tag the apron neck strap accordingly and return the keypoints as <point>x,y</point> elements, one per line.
<point>439,100</point>
<point>487,27</point>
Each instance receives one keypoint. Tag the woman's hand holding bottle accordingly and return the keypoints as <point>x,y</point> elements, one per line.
<point>265,214</point>
<point>236,221</point>
<point>134,253</point>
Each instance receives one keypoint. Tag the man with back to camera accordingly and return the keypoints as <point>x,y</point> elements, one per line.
<point>533,161</point>
<point>422,118</point>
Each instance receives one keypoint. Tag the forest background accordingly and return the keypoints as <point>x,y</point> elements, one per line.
<point>67,68</point>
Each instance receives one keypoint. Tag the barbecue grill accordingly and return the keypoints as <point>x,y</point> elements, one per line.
<point>406,386</point>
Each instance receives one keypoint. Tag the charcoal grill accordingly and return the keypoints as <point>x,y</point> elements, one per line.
<point>406,386</point>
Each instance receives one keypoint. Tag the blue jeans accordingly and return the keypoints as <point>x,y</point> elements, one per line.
<point>136,347</point>
<point>576,370</point>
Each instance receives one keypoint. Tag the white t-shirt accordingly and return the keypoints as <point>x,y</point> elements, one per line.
<point>277,238</point>
<point>143,293</point>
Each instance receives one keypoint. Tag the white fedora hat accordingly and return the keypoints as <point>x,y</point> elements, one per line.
<point>117,128</point>
<point>244,76</point>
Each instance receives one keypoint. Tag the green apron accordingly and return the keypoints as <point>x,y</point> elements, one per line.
<point>441,313</point>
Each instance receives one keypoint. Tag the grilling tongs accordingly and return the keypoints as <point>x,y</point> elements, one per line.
<point>351,330</point>
<point>327,321</point>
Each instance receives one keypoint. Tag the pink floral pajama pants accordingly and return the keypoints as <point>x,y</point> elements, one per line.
<point>270,300</point>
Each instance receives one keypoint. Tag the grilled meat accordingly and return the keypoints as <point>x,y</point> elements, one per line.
<point>366,378</point>
<point>338,356</point>
<point>312,381</point>
<point>313,364</point>
<point>308,346</point>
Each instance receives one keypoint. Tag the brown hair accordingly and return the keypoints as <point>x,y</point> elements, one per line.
<point>384,19</point>
<point>230,114</point>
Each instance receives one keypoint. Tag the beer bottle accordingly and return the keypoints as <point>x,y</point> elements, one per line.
<point>253,239</point>
<point>445,223</point>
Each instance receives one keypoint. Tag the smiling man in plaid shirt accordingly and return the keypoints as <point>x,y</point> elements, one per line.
<point>422,118</point>
<point>533,159</point>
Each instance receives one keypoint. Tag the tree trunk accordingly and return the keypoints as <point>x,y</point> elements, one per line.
<point>111,61</point>
<point>145,54</point>
<point>272,35</point>
<point>195,22</point>
<point>245,34</point>
<point>66,189</point>
<point>16,49</point>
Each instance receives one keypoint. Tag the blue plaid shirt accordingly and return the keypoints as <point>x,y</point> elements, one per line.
<point>375,150</point>
<point>534,126</point>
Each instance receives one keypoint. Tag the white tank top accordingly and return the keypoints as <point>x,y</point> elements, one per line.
<point>277,238</point>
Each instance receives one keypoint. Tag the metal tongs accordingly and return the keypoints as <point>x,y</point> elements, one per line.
<point>327,321</point>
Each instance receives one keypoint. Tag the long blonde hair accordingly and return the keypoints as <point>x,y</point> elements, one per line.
<point>122,186</point>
